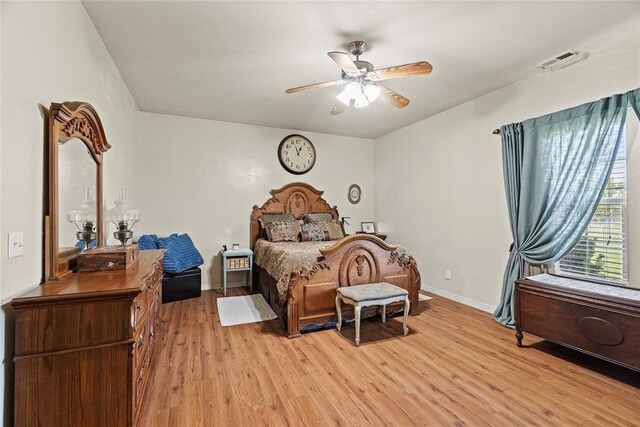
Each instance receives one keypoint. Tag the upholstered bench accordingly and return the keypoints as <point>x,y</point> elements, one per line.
<point>369,295</point>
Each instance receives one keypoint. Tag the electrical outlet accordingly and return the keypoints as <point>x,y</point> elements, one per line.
<point>16,243</point>
<point>447,274</point>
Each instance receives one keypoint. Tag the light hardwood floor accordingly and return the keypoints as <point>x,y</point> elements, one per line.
<point>456,367</point>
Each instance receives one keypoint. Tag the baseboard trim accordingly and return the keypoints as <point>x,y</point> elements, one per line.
<point>454,297</point>
<point>457,298</point>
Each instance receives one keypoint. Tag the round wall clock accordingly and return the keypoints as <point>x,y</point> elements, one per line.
<point>297,154</point>
<point>354,193</point>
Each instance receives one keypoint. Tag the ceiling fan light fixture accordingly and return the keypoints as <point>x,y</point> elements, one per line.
<point>372,92</point>
<point>361,101</point>
<point>362,80</point>
<point>352,91</point>
<point>344,97</point>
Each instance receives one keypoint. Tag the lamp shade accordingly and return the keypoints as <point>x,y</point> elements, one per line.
<point>122,211</point>
<point>362,94</point>
<point>361,101</point>
<point>372,91</point>
<point>86,212</point>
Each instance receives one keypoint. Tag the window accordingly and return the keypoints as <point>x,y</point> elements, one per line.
<point>602,253</point>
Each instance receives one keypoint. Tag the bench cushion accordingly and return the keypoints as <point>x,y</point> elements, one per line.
<point>372,291</point>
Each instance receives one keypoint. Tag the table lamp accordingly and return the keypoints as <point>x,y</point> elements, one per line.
<point>124,217</point>
<point>84,218</point>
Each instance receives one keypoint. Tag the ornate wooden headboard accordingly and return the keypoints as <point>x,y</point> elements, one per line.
<point>296,198</point>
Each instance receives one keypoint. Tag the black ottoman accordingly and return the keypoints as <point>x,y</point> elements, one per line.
<point>179,286</point>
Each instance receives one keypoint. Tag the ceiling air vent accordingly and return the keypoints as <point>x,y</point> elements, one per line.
<point>562,61</point>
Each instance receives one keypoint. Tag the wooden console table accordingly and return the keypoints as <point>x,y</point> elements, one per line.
<point>600,320</point>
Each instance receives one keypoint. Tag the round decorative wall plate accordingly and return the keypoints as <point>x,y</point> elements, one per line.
<point>297,154</point>
<point>355,193</point>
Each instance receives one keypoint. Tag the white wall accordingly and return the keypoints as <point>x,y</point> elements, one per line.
<point>51,52</point>
<point>203,177</point>
<point>439,184</point>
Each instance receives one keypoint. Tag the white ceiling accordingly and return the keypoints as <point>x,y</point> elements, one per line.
<point>232,61</point>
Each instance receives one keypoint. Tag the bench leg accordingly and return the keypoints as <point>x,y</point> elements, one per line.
<point>406,315</point>
<point>339,311</point>
<point>357,315</point>
<point>384,313</point>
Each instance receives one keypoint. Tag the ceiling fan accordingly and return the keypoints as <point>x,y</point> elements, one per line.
<point>362,80</point>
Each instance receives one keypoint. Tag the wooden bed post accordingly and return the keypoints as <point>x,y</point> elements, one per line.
<point>293,325</point>
<point>416,283</point>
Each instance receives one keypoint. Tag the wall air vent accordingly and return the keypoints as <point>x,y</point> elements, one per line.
<point>562,61</point>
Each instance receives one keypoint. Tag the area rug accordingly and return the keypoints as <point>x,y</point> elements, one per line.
<point>423,297</point>
<point>244,309</point>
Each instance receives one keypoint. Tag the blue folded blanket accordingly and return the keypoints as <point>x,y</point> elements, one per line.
<point>180,255</point>
<point>148,241</point>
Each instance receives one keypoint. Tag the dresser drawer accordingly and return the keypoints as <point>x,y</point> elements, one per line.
<point>141,307</point>
<point>141,343</point>
<point>157,278</point>
<point>140,380</point>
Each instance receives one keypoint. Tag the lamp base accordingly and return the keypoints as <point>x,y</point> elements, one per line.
<point>87,235</point>
<point>123,234</point>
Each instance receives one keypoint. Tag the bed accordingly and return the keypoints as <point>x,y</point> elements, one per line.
<point>299,279</point>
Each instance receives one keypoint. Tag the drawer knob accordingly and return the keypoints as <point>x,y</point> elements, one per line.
<point>151,334</point>
<point>141,375</point>
<point>141,340</point>
<point>139,307</point>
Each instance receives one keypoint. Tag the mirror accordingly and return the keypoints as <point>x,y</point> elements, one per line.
<point>76,143</point>
<point>77,205</point>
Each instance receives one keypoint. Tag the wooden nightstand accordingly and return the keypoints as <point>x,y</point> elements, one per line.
<point>237,260</point>
<point>380,236</point>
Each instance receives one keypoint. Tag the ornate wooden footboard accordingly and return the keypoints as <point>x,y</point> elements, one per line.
<point>354,260</point>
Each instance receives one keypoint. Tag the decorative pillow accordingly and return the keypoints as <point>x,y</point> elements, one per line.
<point>315,218</point>
<point>267,218</point>
<point>334,228</point>
<point>181,254</point>
<point>148,241</point>
<point>314,233</point>
<point>283,231</point>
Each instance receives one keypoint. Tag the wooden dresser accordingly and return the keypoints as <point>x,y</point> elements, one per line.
<point>599,320</point>
<point>85,344</point>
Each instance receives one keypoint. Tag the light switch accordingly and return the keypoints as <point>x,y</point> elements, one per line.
<point>16,243</point>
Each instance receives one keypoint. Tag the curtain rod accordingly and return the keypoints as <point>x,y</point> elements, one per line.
<point>497,131</point>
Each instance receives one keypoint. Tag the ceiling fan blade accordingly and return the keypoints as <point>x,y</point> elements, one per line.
<point>414,69</point>
<point>338,108</point>
<point>316,85</point>
<point>346,63</point>
<point>393,97</point>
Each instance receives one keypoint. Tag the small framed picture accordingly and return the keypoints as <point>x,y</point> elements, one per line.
<point>369,227</point>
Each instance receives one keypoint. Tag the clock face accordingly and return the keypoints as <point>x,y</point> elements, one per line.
<point>297,154</point>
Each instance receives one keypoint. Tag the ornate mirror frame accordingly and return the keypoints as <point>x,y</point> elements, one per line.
<point>66,121</point>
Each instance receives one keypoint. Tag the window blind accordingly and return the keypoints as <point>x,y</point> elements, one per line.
<point>601,253</point>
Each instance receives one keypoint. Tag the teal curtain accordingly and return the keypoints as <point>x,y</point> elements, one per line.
<point>634,100</point>
<point>555,170</point>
